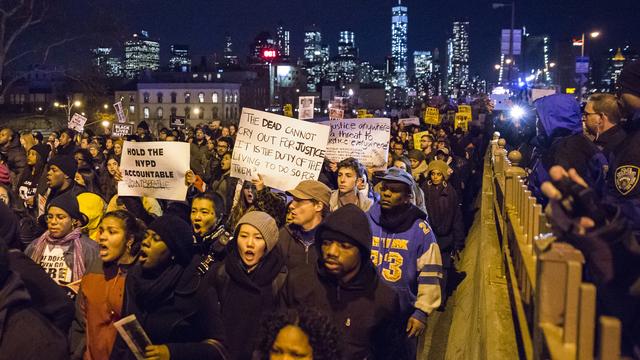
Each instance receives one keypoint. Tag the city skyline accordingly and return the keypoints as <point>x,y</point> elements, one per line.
<point>201,24</point>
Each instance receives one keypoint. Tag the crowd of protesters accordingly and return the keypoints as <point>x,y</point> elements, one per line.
<point>347,266</point>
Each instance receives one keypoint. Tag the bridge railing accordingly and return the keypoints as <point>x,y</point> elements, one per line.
<point>554,309</point>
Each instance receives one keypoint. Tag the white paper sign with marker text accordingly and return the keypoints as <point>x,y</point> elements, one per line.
<point>154,169</point>
<point>364,139</point>
<point>305,107</point>
<point>282,150</point>
<point>77,122</point>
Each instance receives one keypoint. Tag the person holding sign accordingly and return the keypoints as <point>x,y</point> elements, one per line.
<point>63,251</point>
<point>175,306</point>
<point>100,299</point>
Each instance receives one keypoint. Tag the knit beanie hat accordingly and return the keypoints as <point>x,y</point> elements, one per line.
<point>264,223</point>
<point>42,150</point>
<point>629,79</point>
<point>69,203</point>
<point>417,155</point>
<point>176,233</point>
<point>347,224</point>
<point>5,178</point>
<point>67,164</point>
<point>440,166</point>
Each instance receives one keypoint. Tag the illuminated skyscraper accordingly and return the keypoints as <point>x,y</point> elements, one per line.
<point>315,56</point>
<point>399,23</point>
<point>140,53</point>
<point>180,59</point>
<point>458,59</point>
<point>283,42</point>
<point>106,63</point>
<point>229,58</point>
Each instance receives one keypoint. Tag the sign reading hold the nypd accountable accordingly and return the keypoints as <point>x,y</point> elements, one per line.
<point>120,112</point>
<point>121,130</point>
<point>305,107</point>
<point>364,139</point>
<point>154,169</point>
<point>77,122</point>
<point>282,150</point>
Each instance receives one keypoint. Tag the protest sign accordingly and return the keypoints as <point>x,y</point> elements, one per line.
<point>120,112</point>
<point>336,114</point>
<point>409,121</point>
<point>461,121</point>
<point>77,122</point>
<point>121,130</point>
<point>154,169</point>
<point>287,110</point>
<point>465,109</point>
<point>432,116</point>
<point>362,113</point>
<point>364,139</point>
<point>177,122</point>
<point>417,137</point>
<point>305,107</point>
<point>282,150</point>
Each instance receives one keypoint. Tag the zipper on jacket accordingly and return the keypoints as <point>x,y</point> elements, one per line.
<point>306,254</point>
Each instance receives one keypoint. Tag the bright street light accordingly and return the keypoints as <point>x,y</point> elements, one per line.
<point>594,34</point>
<point>105,123</point>
<point>77,103</point>
<point>105,106</point>
<point>497,66</point>
<point>508,61</point>
<point>517,112</point>
<point>196,111</point>
<point>56,104</point>
<point>552,64</point>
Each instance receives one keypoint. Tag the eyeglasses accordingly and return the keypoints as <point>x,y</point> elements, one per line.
<point>585,114</point>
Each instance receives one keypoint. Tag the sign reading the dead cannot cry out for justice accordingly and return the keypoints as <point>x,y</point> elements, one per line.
<point>284,151</point>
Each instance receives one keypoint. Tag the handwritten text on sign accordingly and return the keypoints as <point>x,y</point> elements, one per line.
<point>282,150</point>
<point>154,169</point>
<point>364,139</point>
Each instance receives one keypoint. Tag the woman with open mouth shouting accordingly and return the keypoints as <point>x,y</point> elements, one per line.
<point>174,305</point>
<point>99,301</point>
<point>248,281</point>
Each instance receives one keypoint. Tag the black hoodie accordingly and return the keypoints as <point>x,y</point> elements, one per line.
<point>365,309</point>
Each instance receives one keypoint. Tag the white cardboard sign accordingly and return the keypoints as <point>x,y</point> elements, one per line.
<point>154,169</point>
<point>282,150</point>
<point>364,139</point>
<point>305,107</point>
<point>77,122</point>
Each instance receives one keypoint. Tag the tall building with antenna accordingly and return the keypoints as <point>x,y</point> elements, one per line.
<point>399,24</point>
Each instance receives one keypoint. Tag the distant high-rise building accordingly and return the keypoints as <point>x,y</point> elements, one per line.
<point>617,59</point>
<point>347,59</point>
<point>140,53</point>
<point>399,24</point>
<point>458,59</point>
<point>283,42</point>
<point>422,69</point>
<point>106,63</point>
<point>230,59</point>
<point>347,45</point>
<point>315,57</point>
<point>180,58</point>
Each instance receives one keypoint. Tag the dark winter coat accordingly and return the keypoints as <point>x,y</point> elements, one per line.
<point>563,143</point>
<point>298,247</point>
<point>16,157</point>
<point>245,297</point>
<point>443,206</point>
<point>186,318</point>
<point>366,310</point>
<point>24,333</point>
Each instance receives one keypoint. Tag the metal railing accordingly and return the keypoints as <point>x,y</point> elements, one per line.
<point>554,309</point>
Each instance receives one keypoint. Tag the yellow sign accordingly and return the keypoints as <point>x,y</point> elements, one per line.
<point>288,110</point>
<point>432,116</point>
<point>362,113</point>
<point>368,116</point>
<point>416,139</point>
<point>461,121</point>
<point>464,109</point>
<point>571,90</point>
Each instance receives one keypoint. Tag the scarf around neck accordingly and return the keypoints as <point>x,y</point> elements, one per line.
<point>72,239</point>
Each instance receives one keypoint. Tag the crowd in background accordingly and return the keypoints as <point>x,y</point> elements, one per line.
<point>347,266</point>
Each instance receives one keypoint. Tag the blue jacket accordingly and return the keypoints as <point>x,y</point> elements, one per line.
<point>560,141</point>
<point>408,260</point>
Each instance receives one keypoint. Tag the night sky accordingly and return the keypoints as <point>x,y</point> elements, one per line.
<point>202,23</point>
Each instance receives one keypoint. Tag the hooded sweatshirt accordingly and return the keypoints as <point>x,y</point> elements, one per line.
<point>407,257</point>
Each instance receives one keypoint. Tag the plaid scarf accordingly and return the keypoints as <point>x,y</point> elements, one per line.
<point>72,239</point>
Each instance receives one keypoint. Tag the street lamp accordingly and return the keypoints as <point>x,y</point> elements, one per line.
<point>592,35</point>
<point>68,107</point>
